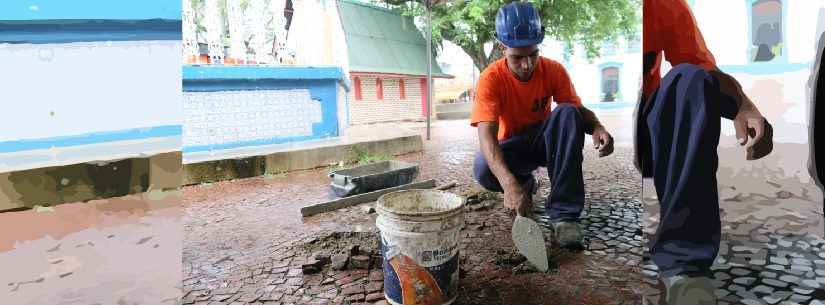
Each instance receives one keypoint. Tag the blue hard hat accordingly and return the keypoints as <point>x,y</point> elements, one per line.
<point>518,24</point>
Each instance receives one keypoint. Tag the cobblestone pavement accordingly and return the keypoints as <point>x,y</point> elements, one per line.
<point>772,250</point>
<point>244,239</point>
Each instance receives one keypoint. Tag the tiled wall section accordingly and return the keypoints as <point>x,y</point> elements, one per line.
<point>392,107</point>
<point>235,116</point>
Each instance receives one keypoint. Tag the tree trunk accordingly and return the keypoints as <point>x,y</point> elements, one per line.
<point>476,53</point>
<point>495,54</point>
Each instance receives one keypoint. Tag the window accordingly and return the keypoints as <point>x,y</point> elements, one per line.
<point>379,89</point>
<point>401,91</point>
<point>766,30</point>
<point>610,84</point>
<point>357,84</point>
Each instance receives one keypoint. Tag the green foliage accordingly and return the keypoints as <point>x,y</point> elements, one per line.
<point>471,23</point>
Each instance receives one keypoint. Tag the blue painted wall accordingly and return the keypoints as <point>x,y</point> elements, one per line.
<point>89,9</point>
<point>51,23</point>
<point>62,21</point>
<point>321,82</point>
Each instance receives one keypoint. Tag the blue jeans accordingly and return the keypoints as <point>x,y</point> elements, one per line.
<point>682,123</point>
<point>556,144</point>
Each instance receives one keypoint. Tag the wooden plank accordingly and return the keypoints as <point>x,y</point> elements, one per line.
<point>361,198</point>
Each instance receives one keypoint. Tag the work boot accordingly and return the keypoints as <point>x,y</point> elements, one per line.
<point>569,235</point>
<point>687,290</point>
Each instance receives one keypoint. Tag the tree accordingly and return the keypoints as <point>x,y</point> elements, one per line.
<point>470,24</point>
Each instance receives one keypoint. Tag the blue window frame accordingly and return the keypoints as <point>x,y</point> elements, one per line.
<point>610,82</point>
<point>766,31</point>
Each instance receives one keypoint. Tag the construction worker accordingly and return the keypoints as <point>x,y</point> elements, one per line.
<point>678,126</point>
<point>519,130</point>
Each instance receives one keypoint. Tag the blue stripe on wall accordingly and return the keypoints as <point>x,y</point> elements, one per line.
<point>609,105</point>
<point>764,68</point>
<point>217,72</point>
<point>91,138</point>
<point>89,9</point>
<point>65,31</point>
<point>258,142</point>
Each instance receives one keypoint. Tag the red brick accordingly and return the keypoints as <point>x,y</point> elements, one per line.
<point>356,289</point>
<point>374,297</point>
<point>356,297</point>
<point>374,286</point>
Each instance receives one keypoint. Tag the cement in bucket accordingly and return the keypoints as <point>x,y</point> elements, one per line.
<point>420,232</point>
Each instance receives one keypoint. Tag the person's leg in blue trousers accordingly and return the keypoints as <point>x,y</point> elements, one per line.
<point>556,144</point>
<point>683,122</point>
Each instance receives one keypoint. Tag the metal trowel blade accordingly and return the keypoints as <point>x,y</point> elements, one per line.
<point>529,240</point>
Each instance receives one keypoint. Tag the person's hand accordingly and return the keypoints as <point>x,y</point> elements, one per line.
<point>602,141</point>
<point>748,122</point>
<point>517,199</point>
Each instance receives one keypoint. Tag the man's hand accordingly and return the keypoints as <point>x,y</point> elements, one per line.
<point>517,199</point>
<point>748,121</point>
<point>602,141</point>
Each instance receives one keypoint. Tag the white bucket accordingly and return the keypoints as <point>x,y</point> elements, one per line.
<point>420,235</point>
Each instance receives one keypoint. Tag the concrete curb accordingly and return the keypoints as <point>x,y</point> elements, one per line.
<point>296,159</point>
<point>88,181</point>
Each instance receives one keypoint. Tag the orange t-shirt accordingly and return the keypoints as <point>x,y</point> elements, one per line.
<point>501,97</point>
<point>669,27</point>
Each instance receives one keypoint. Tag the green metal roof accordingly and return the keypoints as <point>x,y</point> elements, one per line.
<point>382,41</point>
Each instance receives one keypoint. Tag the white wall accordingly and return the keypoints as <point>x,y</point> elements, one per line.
<point>586,74</point>
<point>801,29</point>
<point>730,46</point>
<point>50,90</point>
<point>724,25</point>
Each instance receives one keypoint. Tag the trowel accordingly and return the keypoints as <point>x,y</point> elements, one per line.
<point>529,240</point>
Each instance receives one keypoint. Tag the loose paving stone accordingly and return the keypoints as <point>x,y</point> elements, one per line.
<point>721,276</point>
<point>775,283</point>
<point>736,288</point>
<point>359,262</point>
<point>747,281</point>
<point>810,284</point>
<point>763,289</point>
<point>751,302</point>
<point>779,260</point>
<point>747,295</point>
<point>372,297</point>
<point>339,261</point>
<point>803,291</point>
<point>740,271</point>
<point>789,278</point>
<point>800,298</point>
